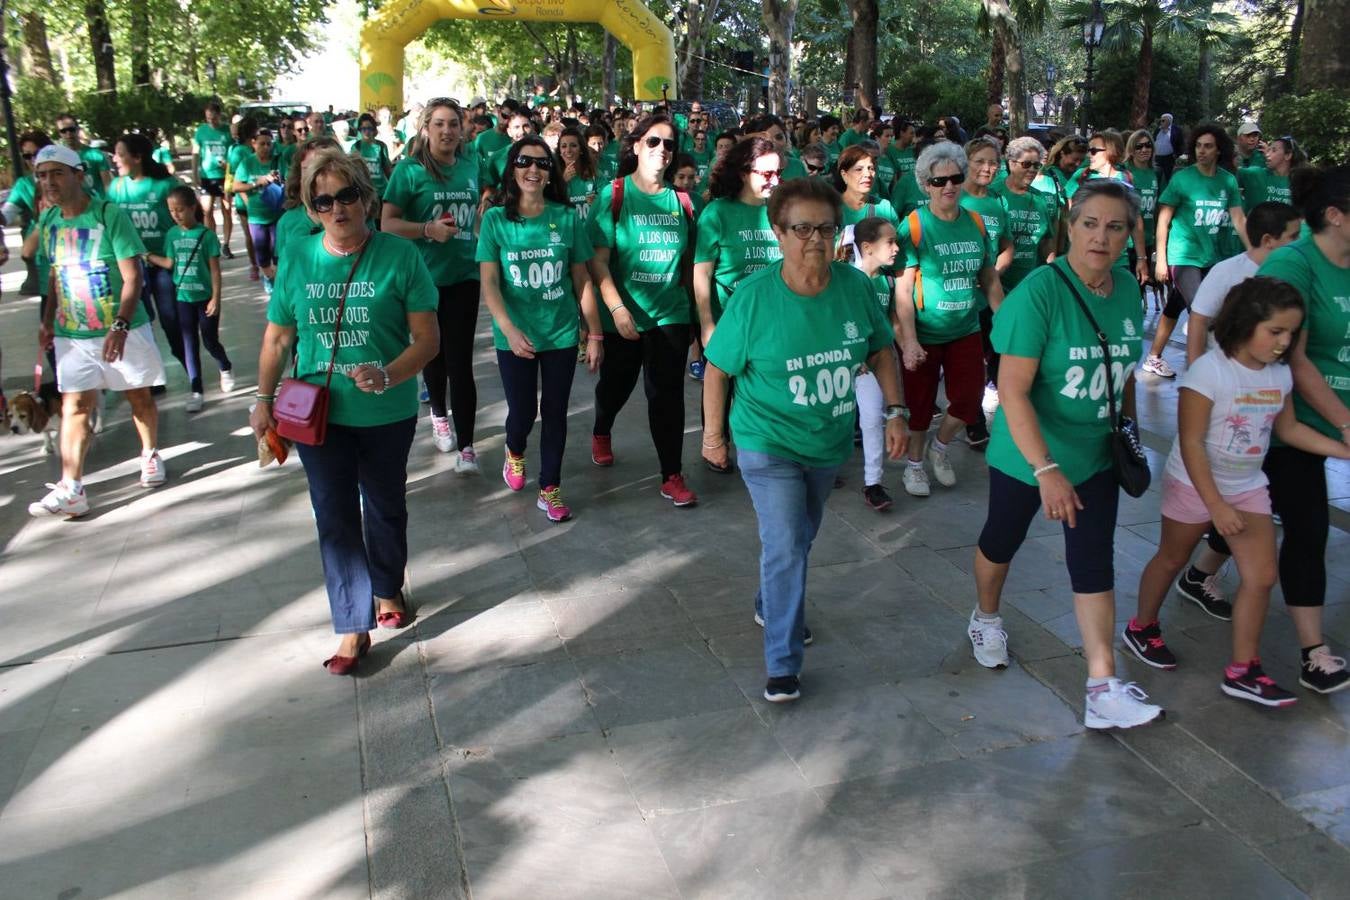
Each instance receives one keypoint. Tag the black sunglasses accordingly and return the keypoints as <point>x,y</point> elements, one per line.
<point>1027,163</point>
<point>1143,145</point>
<point>70,129</point>
<point>347,196</point>
<point>654,142</point>
<point>28,157</point>
<point>367,129</point>
<point>543,163</point>
<point>938,181</point>
<point>1093,151</point>
<point>813,170</point>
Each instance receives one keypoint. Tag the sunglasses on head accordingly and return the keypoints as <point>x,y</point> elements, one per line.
<point>938,181</point>
<point>347,196</point>
<point>653,142</point>
<point>543,163</point>
<point>804,230</point>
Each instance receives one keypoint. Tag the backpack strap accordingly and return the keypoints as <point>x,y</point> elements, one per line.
<point>979,221</point>
<point>916,237</point>
<point>687,257</point>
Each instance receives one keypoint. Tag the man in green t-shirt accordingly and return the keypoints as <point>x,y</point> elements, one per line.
<point>210,148</point>
<point>493,166</point>
<point>95,319</point>
<point>97,169</point>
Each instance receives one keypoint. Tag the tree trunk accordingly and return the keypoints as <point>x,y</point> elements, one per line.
<point>863,44</point>
<point>998,61</point>
<point>780,17</point>
<point>36,48</point>
<point>699,18</point>
<point>1017,83</point>
<point>140,42</point>
<point>1286,83</point>
<point>568,76</point>
<point>1139,104</point>
<point>607,68</point>
<point>101,45</point>
<point>1203,70</point>
<point>1322,59</point>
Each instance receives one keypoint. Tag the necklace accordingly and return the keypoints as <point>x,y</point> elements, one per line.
<point>328,244</point>
<point>1099,288</point>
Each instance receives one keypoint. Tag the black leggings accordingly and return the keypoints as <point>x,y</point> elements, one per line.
<point>457,315</point>
<point>193,322</point>
<point>1088,549</point>
<point>659,354</point>
<point>1298,493</point>
<point>1185,282</point>
<point>534,386</point>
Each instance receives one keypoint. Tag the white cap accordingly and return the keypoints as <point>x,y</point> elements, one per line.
<point>1248,128</point>
<point>477,101</point>
<point>58,153</point>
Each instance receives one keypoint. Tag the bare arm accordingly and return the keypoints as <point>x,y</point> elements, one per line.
<point>609,294</point>
<point>1239,220</point>
<point>992,287</point>
<point>590,314</point>
<point>392,221</point>
<point>1005,255</point>
<point>902,320</point>
<point>276,352</point>
<point>213,305</point>
<point>1163,226</point>
<point>715,383</point>
<point>703,288</point>
<point>1294,433</point>
<point>1016,374</point>
<point>886,368</point>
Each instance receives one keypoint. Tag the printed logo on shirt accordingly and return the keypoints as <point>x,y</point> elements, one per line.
<point>851,331</point>
<point>1129,328</point>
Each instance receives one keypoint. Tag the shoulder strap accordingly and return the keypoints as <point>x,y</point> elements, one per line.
<point>342,308</point>
<point>191,257</point>
<point>1101,338</point>
<point>871,210</point>
<point>616,199</point>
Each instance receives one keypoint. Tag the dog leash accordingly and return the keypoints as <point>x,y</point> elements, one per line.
<point>37,374</point>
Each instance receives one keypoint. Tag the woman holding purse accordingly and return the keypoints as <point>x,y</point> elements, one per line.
<point>359,308</point>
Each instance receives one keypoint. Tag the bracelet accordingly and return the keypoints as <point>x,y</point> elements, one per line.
<point>119,324</point>
<point>601,337</point>
<point>614,307</point>
<point>895,411</point>
<point>1345,426</point>
<point>1048,467</point>
<point>385,373</point>
<point>424,229</point>
<point>265,398</point>
<point>717,446</point>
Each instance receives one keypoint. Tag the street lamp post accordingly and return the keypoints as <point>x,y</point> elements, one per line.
<point>1050,72</point>
<point>211,74</point>
<point>1092,39</point>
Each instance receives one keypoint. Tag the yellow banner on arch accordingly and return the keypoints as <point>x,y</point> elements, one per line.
<point>400,22</point>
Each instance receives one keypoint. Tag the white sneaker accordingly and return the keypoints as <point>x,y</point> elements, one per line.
<point>153,473</point>
<point>467,463</point>
<point>990,402</point>
<point>916,481</point>
<point>195,402</point>
<point>226,382</point>
<point>1121,705</point>
<point>60,501</point>
<point>1156,365</point>
<point>942,467</point>
<point>989,641</point>
<point>441,434</point>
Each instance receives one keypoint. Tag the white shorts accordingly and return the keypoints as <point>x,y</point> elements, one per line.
<point>80,365</point>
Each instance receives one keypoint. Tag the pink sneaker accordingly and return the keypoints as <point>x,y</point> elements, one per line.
<point>550,501</point>
<point>513,471</point>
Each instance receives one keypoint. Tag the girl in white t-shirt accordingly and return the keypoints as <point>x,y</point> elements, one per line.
<point>1231,401</point>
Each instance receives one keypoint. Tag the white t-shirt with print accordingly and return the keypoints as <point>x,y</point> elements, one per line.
<point>1214,289</point>
<point>1246,404</point>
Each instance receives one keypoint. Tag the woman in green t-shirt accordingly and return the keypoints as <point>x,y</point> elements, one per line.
<point>1270,181</point>
<point>1144,177</point>
<point>1032,215</point>
<point>356,309</point>
<point>855,173</point>
<point>259,182</point>
<point>242,131</point>
<point>580,177</point>
<point>532,253</point>
<point>795,340</point>
<point>1051,447</point>
<point>373,153</point>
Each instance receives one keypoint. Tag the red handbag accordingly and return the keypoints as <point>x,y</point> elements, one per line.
<point>300,408</point>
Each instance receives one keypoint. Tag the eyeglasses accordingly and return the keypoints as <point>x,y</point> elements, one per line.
<point>29,157</point>
<point>804,230</point>
<point>1143,145</point>
<point>347,196</point>
<point>1093,151</point>
<point>653,142</point>
<point>1026,164</point>
<point>70,129</point>
<point>543,163</point>
<point>938,181</point>
<point>768,174</point>
<point>813,169</point>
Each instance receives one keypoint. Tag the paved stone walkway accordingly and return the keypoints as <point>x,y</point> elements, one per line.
<point>576,712</point>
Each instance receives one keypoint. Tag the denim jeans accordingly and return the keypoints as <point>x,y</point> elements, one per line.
<point>360,470</point>
<point>158,292</point>
<point>542,384</point>
<point>789,501</point>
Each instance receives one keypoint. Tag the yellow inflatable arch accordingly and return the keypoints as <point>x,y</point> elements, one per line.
<point>398,22</point>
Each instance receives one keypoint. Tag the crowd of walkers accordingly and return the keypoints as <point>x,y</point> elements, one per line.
<point>827,282</point>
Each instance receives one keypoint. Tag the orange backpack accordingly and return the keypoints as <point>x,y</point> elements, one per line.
<point>916,237</point>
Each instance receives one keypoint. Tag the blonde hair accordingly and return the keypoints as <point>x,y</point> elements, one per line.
<point>422,153</point>
<point>332,161</point>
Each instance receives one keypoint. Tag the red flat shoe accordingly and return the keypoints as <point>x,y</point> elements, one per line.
<point>395,618</point>
<point>346,665</point>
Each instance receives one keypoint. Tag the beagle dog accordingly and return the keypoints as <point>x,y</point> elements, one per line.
<point>38,413</point>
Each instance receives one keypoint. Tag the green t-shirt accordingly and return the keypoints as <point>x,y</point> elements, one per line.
<point>163,155</point>
<point>1146,186</point>
<point>990,208</point>
<point>1031,217</point>
<point>95,164</point>
<point>903,160</point>
<point>249,171</point>
<point>848,137</point>
<point>422,198</point>
<point>390,281</point>
<point>146,202</point>
<point>884,289</point>
<point>886,171</point>
<point>376,157</point>
<point>234,159</point>
<point>1200,203</point>
<point>703,161</point>
<point>284,154</point>
<point>213,146</point>
<point>793,167</point>
<point>1325,288</point>
<point>84,251</point>
<point>490,141</point>
<point>907,196</point>
<point>1040,320</point>
<point>293,225</point>
<point>1262,185</point>
<point>24,196</point>
<point>191,252</point>
<point>947,296</point>
<point>492,168</point>
<point>581,192</point>
<point>795,360</point>
<point>738,240</point>
<point>645,250</point>
<point>1051,182</point>
<point>536,258</point>
<point>882,208</point>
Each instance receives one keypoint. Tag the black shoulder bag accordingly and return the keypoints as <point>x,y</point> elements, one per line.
<point>1127,455</point>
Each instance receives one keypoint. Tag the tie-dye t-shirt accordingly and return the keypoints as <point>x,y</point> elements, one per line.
<point>83,252</point>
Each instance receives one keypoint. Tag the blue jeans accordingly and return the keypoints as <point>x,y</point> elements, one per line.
<point>157,289</point>
<point>544,382</point>
<point>195,324</point>
<point>789,501</point>
<point>356,470</point>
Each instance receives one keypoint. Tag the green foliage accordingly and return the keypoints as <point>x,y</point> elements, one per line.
<point>1175,73</point>
<point>1319,122</point>
<point>926,93</point>
<point>37,103</point>
<point>106,115</point>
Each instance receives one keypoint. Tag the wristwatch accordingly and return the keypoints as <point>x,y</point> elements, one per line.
<point>120,324</point>
<point>897,411</point>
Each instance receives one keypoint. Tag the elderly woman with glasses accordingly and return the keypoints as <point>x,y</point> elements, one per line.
<point>358,309</point>
<point>794,340</point>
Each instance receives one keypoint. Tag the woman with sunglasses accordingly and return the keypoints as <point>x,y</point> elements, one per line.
<point>532,253</point>
<point>358,476</point>
<point>794,339</point>
<point>1032,216</point>
<point>373,152</point>
<point>432,199</point>
<point>1270,181</point>
<point>1106,150</point>
<point>643,240</point>
<point>855,175</point>
<point>949,276</point>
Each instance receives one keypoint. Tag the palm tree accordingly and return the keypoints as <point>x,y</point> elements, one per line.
<point>1141,21</point>
<point>1005,21</point>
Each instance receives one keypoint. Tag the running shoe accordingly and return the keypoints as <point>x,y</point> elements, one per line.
<point>226,381</point>
<point>441,435</point>
<point>676,491</point>
<point>807,637</point>
<point>977,435</point>
<point>1257,687</point>
<point>989,404</point>
<point>601,453</point>
<point>513,472</point>
<point>267,286</point>
<point>467,463</point>
<point>153,473</point>
<point>942,466</point>
<point>1119,705</point>
<point>916,481</point>
<point>550,501</point>
<point>225,251</point>
<point>1147,644</point>
<point>696,370</point>
<point>782,689</point>
<point>1156,365</point>
<point>423,395</point>
<point>60,501</point>
<point>875,496</point>
<point>1323,672</point>
<point>989,641</point>
<point>1206,594</point>
<point>195,402</point>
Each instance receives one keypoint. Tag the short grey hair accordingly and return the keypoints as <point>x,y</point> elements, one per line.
<point>1019,146</point>
<point>942,151</point>
<point>1106,187</point>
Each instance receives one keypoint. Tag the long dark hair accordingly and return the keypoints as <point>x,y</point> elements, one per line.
<point>1316,189</point>
<point>139,146</point>
<point>1227,153</point>
<point>586,161</point>
<point>728,175</point>
<point>628,153</point>
<point>1247,305</point>
<point>555,191</point>
<point>186,196</point>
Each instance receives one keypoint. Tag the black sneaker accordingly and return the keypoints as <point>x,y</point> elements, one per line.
<point>782,689</point>
<point>1323,672</point>
<point>807,638</point>
<point>1147,644</point>
<point>875,496</point>
<point>1257,687</point>
<point>977,434</point>
<point>1204,593</point>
